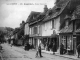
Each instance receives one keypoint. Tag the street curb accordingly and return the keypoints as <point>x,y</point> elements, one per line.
<point>65,57</point>
<point>61,56</point>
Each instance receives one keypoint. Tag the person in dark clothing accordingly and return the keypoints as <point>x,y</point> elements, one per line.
<point>11,43</point>
<point>54,48</point>
<point>39,50</point>
<point>78,50</point>
<point>27,46</point>
<point>61,49</point>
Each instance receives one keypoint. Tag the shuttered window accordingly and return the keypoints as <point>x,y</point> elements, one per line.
<point>52,24</point>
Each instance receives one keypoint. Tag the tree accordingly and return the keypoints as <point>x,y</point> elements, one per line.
<point>16,30</point>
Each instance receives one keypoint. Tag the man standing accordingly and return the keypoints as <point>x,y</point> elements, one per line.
<point>61,48</point>
<point>39,50</point>
<point>78,50</point>
<point>11,43</point>
<point>54,48</point>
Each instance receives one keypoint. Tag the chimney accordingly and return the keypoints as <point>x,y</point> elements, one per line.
<point>45,8</point>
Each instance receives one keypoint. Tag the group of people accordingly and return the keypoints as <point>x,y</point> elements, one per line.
<point>38,53</point>
<point>51,47</point>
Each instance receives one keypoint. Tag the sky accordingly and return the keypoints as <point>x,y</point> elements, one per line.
<point>13,12</point>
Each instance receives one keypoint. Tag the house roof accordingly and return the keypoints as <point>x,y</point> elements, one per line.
<point>76,13</point>
<point>60,7</point>
<point>32,16</point>
<point>39,18</point>
<point>48,15</point>
<point>54,13</point>
<point>78,30</point>
<point>67,29</point>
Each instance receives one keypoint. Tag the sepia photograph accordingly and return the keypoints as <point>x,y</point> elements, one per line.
<point>39,29</point>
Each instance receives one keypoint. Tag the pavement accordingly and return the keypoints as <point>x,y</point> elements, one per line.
<point>65,55</point>
<point>21,50</point>
<point>74,57</point>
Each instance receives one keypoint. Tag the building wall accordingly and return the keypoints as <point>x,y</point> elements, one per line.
<point>57,24</point>
<point>47,29</point>
<point>34,32</point>
<point>26,30</point>
<point>30,30</point>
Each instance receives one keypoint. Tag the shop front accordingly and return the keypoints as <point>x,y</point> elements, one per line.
<point>78,38</point>
<point>35,41</point>
<point>48,41</point>
<point>67,40</point>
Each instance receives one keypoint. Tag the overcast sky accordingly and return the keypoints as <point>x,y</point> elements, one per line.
<point>12,12</point>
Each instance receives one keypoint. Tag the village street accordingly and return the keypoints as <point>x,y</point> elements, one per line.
<point>16,53</point>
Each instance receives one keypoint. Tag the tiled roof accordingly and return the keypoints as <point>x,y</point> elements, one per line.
<point>60,6</point>
<point>67,29</point>
<point>32,16</point>
<point>48,15</point>
<point>76,13</point>
<point>61,2</point>
<point>78,30</point>
<point>38,18</point>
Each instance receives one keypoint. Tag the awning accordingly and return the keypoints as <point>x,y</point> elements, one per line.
<point>40,37</point>
<point>52,36</point>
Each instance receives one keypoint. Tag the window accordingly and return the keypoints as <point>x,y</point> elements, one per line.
<point>40,30</point>
<point>31,30</point>
<point>69,43</point>
<point>35,30</point>
<point>77,24</point>
<point>64,41</point>
<point>67,23</point>
<point>52,24</point>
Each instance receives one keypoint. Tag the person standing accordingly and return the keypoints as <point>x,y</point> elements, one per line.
<point>61,48</point>
<point>54,48</point>
<point>11,43</point>
<point>27,46</point>
<point>39,50</point>
<point>78,50</point>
